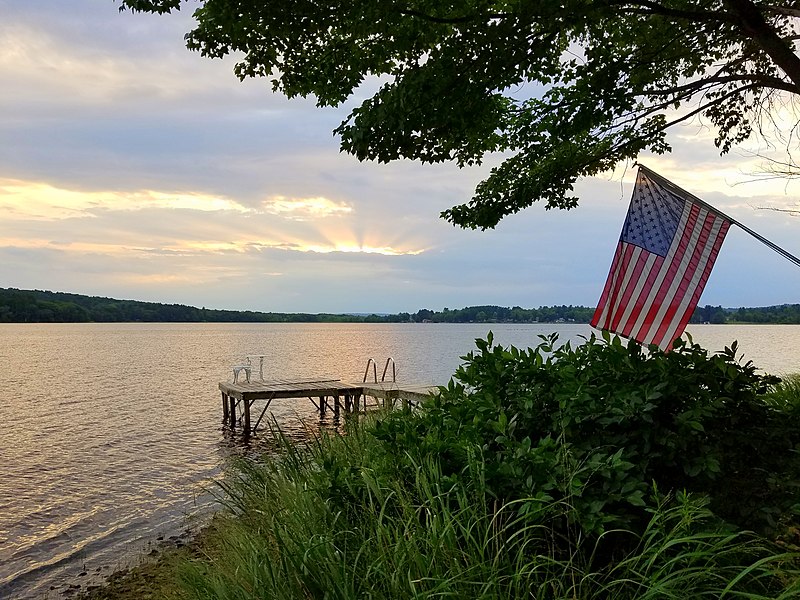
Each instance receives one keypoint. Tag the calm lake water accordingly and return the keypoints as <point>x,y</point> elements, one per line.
<point>111,433</point>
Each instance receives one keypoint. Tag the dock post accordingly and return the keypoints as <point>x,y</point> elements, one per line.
<point>224,408</point>
<point>336,406</point>
<point>232,410</point>
<point>347,403</point>
<point>322,405</point>
<point>246,417</point>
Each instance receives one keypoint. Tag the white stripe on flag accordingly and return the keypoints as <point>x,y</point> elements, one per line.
<point>707,254</point>
<point>653,292</point>
<point>614,302</point>
<point>650,260</point>
<point>693,238</point>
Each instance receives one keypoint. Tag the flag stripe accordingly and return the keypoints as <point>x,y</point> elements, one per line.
<point>654,292</point>
<point>599,317</point>
<point>667,248</point>
<point>652,266</point>
<point>632,275</point>
<point>678,273</point>
<point>712,257</point>
<point>691,281</point>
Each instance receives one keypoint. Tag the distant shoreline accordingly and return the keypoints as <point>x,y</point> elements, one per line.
<point>39,306</point>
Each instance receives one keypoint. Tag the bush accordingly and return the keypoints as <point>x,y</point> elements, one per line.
<point>598,424</point>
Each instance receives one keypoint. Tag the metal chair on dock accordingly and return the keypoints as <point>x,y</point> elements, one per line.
<point>238,369</point>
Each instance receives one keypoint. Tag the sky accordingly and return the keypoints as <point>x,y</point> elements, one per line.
<point>131,167</point>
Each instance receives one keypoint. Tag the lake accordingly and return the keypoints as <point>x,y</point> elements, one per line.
<point>112,433</point>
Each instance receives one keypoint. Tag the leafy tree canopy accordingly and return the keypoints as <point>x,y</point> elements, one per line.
<point>562,89</point>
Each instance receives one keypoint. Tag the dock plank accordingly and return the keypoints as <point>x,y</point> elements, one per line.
<point>392,390</point>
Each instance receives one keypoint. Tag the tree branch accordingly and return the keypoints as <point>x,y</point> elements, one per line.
<point>781,10</point>
<point>753,24</point>
<point>410,12</point>
<point>654,8</point>
<point>703,107</point>
<point>695,86</point>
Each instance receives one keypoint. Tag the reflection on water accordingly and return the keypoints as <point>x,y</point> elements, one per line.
<point>111,432</point>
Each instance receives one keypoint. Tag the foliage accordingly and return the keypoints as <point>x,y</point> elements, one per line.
<point>563,90</point>
<point>335,521</point>
<point>785,396</point>
<point>502,314</point>
<point>785,313</point>
<point>32,306</point>
<point>597,425</point>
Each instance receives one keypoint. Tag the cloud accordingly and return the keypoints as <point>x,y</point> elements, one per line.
<point>134,168</point>
<point>41,201</point>
<point>305,208</point>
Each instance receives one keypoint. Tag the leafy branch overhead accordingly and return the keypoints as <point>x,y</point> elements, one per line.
<point>562,89</point>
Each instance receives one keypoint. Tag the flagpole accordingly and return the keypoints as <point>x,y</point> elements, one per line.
<point>681,192</point>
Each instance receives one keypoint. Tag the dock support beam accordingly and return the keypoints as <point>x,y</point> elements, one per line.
<point>224,407</point>
<point>232,411</point>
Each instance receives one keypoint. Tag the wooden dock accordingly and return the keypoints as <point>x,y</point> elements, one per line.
<point>390,390</point>
<point>326,393</point>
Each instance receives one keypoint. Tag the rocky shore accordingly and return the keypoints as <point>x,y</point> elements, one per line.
<point>154,577</point>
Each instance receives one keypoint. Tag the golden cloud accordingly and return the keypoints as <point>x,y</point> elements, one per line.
<point>41,201</point>
<point>305,208</point>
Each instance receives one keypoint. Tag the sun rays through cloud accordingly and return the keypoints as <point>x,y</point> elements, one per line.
<point>171,238</point>
<point>305,208</point>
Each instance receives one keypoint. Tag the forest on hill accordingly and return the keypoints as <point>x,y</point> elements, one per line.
<point>37,306</point>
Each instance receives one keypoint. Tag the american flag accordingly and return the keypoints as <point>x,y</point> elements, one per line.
<point>668,245</point>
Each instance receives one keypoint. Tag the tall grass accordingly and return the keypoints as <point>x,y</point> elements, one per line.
<point>785,396</point>
<point>335,520</point>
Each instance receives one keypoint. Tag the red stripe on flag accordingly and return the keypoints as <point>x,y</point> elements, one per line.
<point>630,288</point>
<point>621,276</point>
<point>700,249</point>
<point>706,274</point>
<point>672,268</point>
<point>644,288</point>
<point>604,298</point>
<point>641,303</point>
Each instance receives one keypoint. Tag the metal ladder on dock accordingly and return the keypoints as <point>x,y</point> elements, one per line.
<point>372,362</point>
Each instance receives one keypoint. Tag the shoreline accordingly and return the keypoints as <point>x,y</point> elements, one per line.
<point>152,574</point>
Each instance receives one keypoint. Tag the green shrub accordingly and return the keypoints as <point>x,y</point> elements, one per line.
<point>299,533</point>
<point>784,396</point>
<point>596,425</point>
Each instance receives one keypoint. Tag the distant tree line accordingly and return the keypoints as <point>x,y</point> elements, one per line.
<point>784,314</point>
<point>502,314</point>
<point>36,306</point>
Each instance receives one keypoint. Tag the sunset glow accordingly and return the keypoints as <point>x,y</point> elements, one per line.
<point>41,201</point>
